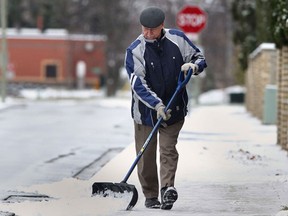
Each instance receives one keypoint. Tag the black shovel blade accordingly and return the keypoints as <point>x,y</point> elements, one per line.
<point>115,189</point>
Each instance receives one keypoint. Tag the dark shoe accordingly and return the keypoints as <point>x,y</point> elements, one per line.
<point>168,196</point>
<point>152,203</point>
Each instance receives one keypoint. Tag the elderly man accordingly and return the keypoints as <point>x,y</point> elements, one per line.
<point>153,62</point>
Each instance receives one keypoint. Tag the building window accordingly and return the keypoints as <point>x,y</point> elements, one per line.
<point>51,71</point>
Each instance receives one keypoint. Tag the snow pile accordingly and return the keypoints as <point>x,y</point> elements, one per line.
<point>216,96</point>
<point>213,97</point>
<point>219,96</point>
<point>51,93</point>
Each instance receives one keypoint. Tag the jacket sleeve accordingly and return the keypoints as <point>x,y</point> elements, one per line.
<point>136,73</point>
<point>193,54</point>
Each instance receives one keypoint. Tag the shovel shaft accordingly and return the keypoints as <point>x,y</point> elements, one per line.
<point>180,85</point>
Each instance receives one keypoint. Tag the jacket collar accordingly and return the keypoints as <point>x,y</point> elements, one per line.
<point>163,35</point>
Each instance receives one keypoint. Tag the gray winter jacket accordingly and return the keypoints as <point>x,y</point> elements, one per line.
<point>153,67</point>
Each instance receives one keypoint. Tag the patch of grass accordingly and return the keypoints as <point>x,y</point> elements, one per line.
<point>284,208</point>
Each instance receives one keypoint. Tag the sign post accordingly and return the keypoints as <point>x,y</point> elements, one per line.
<point>191,19</point>
<point>3,50</point>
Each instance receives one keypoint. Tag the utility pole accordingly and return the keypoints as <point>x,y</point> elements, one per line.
<point>3,50</point>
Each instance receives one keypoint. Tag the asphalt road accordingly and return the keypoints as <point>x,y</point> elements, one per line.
<point>46,141</point>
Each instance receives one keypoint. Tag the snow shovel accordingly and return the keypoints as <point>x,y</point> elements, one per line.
<point>118,189</point>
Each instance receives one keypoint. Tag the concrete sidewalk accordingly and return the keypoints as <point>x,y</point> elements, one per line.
<point>229,164</point>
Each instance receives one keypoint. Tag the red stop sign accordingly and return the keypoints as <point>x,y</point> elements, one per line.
<point>191,19</point>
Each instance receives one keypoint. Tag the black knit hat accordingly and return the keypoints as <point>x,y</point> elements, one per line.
<point>152,17</point>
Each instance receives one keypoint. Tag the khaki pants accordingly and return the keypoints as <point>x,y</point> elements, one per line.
<point>147,166</point>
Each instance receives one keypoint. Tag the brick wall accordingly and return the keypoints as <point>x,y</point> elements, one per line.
<point>51,57</point>
<point>261,72</point>
<point>282,115</point>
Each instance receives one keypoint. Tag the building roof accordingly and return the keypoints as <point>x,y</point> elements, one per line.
<point>50,34</point>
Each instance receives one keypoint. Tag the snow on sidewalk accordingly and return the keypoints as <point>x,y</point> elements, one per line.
<point>229,164</point>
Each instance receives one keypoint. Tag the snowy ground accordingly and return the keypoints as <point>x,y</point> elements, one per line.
<point>229,165</point>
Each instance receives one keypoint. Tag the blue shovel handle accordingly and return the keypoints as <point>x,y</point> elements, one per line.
<point>182,82</point>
